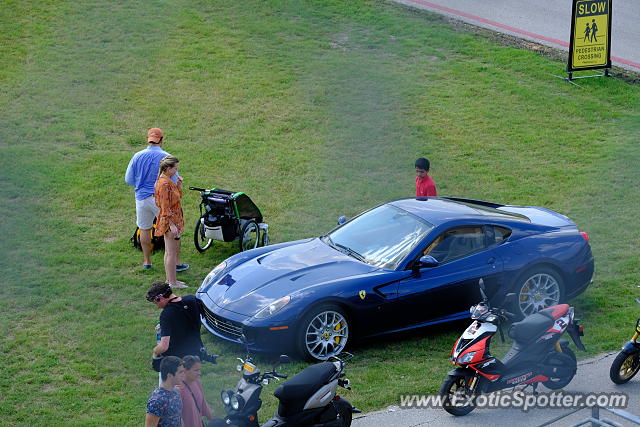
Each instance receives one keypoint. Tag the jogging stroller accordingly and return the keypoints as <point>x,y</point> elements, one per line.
<point>227,216</point>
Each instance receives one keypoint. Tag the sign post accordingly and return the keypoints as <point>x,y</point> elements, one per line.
<point>590,43</point>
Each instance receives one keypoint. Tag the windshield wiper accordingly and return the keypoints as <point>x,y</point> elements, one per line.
<point>350,252</point>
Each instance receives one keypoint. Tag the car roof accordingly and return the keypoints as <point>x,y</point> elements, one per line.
<point>439,210</point>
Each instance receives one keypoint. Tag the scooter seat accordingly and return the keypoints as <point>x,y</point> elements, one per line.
<point>294,393</point>
<point>557,311</point>
<point>531,327</point>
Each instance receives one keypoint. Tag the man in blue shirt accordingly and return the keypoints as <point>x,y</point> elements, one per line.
<point>142,174</point>
<point>164,407</point>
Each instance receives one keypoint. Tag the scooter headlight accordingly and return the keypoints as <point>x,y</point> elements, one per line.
<point>467,357</point>
<point>237,402</point>
<point>225,395</point>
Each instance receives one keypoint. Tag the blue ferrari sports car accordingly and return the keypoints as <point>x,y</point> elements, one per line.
<point>401,265</point>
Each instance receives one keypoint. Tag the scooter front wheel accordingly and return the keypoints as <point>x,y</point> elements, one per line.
<point>458,398</point>
<point>624,367</point>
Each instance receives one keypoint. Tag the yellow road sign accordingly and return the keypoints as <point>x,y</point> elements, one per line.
<point>590,35</point>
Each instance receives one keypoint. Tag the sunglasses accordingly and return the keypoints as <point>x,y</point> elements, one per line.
<point>154,299</point>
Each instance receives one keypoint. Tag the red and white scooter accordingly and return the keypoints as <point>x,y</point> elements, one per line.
<point>537,355</point>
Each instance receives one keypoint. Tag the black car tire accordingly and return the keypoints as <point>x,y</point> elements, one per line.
<point>201,242</point>
<point>542,276</point>
<point>312,324</point>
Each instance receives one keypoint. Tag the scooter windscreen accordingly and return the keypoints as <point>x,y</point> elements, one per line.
<point>478,310</point>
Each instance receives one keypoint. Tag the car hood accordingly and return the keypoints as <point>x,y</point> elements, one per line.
<point>249,287</point>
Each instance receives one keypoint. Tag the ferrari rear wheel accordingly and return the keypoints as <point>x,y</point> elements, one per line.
<point>538,289</point>
<point>323,333</point>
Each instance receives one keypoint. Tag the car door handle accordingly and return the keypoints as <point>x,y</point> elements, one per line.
<point>491,260</point>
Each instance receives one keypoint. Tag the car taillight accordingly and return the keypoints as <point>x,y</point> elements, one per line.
<point>585,236</point>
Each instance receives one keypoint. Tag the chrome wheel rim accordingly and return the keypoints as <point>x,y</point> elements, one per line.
<point>326,335</point>
<point>539,291</point>
<point>629,367</point>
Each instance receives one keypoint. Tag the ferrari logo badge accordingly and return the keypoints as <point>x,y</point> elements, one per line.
<point>363,294</point>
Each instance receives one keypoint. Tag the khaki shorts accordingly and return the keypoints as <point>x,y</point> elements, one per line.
<point>146,211</point>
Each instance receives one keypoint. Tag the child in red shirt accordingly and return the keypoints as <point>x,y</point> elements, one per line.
<point>425,186</point>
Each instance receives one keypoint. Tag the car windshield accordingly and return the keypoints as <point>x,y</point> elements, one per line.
<point>383,236</point>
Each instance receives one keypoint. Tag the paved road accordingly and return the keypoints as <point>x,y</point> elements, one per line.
<point>592,376</point>
<point>544,21</point>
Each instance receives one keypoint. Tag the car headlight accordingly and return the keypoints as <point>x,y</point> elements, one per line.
<point>225,395</point>
<point>466,358</point>
<point>273,308</point>
<point>237,402</point>
<point>212,276</point>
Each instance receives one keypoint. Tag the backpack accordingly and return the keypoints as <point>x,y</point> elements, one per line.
<point>157,242</point>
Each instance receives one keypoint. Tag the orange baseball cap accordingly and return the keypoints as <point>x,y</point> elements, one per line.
<point>154,135</point>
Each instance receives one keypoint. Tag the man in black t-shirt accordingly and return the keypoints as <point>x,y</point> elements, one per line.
<point>179,322</point>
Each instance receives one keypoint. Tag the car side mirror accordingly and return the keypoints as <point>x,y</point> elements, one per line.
<point>426,261</point>
<point>342,220</point>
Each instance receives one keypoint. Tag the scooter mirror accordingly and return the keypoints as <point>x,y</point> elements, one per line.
<point>638,300</point>
<point>342,220</point>
<point>482,289</point>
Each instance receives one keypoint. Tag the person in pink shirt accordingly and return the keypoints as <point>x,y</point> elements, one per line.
<point>425,186</point>
<point>194,405</point>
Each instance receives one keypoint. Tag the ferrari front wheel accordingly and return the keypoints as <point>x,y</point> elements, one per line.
<point>323,332</point>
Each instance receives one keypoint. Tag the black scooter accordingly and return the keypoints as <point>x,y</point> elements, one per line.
<point>308,399</point>
<point>627,363</point>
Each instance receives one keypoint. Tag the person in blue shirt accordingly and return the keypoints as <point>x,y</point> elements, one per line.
<point>142,173</point>
<point>164,407</point>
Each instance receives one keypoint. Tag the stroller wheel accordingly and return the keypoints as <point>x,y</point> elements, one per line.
<point>201,241</point>
<point>250,235</point>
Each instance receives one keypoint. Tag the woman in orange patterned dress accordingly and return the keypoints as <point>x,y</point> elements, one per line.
<point>170,222</point>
